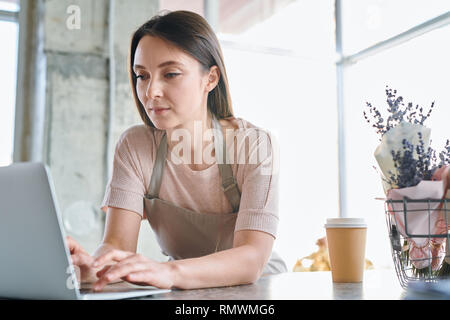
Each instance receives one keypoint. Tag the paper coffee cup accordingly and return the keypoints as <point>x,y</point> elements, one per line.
<point>346,238</point>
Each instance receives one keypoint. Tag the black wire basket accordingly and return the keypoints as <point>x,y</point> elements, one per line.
<point>403,263</point>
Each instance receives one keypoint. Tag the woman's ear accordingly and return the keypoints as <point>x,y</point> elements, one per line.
<point>213,78</point>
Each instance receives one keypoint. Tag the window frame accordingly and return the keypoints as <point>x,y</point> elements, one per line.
<point>12,16</point>
<point>29,128</point>
<point>9,16</point>
<point>345,61</point>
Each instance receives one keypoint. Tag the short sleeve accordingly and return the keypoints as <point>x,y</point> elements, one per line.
<point>126,188</point>
<point>258,209</point>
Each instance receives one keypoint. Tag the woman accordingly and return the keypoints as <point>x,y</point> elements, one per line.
<point>215,220</point>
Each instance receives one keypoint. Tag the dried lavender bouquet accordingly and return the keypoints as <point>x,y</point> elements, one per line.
<point>406,158</point>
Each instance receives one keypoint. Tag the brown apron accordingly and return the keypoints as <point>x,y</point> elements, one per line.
<point>183,233</point>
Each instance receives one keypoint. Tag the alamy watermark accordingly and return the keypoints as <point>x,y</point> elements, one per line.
<point>73,21</point>
<point>73,280</point>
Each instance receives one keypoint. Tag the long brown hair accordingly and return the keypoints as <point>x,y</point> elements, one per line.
<point>191,33</point>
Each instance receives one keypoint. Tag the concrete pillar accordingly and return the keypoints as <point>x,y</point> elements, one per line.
<point>78,105</point>
<point>30,92</point>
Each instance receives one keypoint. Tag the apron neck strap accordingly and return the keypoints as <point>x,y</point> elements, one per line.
<point>229,184</point>
<point>158,168</point>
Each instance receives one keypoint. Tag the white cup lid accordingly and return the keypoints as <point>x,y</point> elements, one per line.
<point>345,223</point>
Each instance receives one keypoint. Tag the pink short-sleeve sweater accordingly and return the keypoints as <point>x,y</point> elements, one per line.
<point>253,158</point>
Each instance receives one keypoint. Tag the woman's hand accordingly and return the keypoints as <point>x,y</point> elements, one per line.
<point>134,268</point>
<point>82,260</point>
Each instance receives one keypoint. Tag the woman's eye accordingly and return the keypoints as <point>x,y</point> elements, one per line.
<point>171,75</point>
<point>141,76</point>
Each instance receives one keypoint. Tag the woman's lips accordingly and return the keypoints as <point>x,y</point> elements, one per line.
<point>159,111</point>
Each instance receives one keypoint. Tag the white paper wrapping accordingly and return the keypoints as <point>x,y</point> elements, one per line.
<point>392,140</point>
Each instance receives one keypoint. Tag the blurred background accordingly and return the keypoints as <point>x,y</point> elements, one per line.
<point>303,69</point>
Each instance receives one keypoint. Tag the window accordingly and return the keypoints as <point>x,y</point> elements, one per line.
<point>196,6</point>
<point>9,31</point>
<point>418,69</point>
<point>370,21</point>
<point>282,78</point>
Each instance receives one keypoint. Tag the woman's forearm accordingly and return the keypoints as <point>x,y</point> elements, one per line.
<point>241,265</point>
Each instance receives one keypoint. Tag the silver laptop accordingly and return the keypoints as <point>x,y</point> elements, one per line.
<point>35,261</point>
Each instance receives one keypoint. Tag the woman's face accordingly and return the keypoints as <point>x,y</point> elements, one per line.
<point>171,84</point>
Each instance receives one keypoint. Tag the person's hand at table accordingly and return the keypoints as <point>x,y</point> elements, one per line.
<point>133,268</point>
<point>81,259</point>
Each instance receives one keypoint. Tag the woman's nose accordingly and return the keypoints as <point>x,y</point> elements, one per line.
<point>153,89</point>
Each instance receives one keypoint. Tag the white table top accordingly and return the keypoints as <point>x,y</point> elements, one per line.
<point>377,285</point>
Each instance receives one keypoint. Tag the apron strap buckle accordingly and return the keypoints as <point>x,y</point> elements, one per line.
<point>229,183</point>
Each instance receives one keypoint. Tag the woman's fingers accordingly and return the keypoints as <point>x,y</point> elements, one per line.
<point>150,277</point>
<point>74,246</point>
<point>82,259</point>
<point>117,272</point>
<point>113,255</point>
<point>71,244</point>
<point>103,270</point>
<point>140,277</point>
<point>136,258</point>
